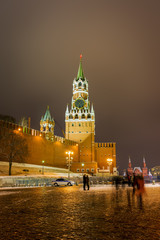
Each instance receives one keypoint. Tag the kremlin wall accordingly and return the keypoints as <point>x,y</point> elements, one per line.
<point>79,138</point>
<point>53,152</point>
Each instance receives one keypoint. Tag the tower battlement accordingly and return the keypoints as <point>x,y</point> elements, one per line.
<point>105,145</point>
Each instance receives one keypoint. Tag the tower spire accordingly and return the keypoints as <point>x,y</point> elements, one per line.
<point>47,115</point>
<point>144,162</point>
<point>80,70</point>
<point>67,110</point>
<point>92,110</point>
<point>129,163</point>
<point>129,159</point>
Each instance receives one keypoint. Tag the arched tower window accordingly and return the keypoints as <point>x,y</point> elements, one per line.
<point>80,84</point>
<point>88,116</point>
<point>83,116</point>
<point>70,116</point>
<point>84,85</point>
<point>76,116</point>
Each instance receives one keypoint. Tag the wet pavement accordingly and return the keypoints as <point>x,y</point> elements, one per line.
<point>71,213</point>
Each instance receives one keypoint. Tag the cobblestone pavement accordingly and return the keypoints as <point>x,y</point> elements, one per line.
<point>71,213</point>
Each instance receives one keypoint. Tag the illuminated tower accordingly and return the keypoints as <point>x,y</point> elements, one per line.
<point>144,169</point>
<point>80,118</point>
<point>47,125</point>
<point>130,169</point>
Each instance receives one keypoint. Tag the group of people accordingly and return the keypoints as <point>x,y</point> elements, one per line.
<point>138,185</point>
<point>137,182</point>
<point>85,181</point>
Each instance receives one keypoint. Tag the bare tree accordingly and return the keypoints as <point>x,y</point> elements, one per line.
<point>14,147</point>
<point>7,118</point>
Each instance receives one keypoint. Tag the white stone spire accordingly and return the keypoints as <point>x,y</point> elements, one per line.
<point>67,110</point>
<point>129,159</point>
<point>144,161</point>
<point>92,110</point>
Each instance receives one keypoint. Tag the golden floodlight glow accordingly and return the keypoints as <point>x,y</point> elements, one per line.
<point>19,129</point>
<point>69,152</point>
<point>109,160</point>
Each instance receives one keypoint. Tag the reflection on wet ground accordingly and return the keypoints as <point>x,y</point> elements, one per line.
<point>71,213</point>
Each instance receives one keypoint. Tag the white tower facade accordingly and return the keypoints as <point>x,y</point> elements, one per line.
<point>80,118</point>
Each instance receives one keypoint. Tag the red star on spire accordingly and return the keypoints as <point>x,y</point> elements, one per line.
<point>81,57</point>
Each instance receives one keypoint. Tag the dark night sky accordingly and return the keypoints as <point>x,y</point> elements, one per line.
<point>40,44</point>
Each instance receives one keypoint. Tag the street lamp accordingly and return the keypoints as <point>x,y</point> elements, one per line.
<point>109,161</point>
<point>82,169</point>
<point>43,166</point>
<point>69,160</point>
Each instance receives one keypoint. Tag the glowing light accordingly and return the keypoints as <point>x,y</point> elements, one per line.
<point>82,164</point>
<point>69,153</point>
<point>109,160</point>
<point>43,161</point>
<point>19,129</point>
<point>80,56</point>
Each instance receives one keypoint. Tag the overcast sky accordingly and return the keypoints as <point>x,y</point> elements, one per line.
<point>40,44</point>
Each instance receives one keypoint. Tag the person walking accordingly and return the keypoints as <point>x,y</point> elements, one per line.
<point>87,181</point>
<point>140,189</point>
<point>84,182</point>
<point>134,184</point>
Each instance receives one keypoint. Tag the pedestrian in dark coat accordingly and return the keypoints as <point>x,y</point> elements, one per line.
<point>87,181</point>
<point>84,182</point>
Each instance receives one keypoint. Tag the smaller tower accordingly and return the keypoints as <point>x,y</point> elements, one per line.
<point>144,169</point>
<point>47,125</point>
<point>130,169</point>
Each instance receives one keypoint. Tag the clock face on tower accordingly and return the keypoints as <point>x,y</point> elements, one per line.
<point>79,103</point>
